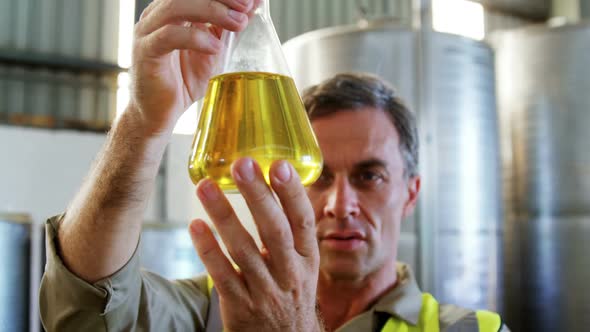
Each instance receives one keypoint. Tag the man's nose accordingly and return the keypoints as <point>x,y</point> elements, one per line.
<point>342,200</point>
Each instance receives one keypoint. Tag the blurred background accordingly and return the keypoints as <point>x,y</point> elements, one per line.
<point>501,92</point>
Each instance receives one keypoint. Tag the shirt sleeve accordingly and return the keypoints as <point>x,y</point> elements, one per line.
<point>129,300</point>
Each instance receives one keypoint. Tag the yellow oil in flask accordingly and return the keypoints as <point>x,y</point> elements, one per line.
<point>253,114</point>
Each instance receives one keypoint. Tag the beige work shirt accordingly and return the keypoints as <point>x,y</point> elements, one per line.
<point>133,299</point>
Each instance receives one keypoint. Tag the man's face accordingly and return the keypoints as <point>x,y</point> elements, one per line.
<point>362,195</point>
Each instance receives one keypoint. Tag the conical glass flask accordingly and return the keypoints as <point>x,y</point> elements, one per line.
<point>252,108</point>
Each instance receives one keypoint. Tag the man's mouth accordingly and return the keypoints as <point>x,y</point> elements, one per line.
<point>342,240</point>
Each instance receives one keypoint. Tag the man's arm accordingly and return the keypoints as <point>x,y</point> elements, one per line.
<point>129,300</point>
<point>101,228</point>
<point>172,63</point>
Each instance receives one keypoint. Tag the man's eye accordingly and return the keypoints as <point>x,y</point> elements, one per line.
<point>324,180</point>
<point>369,177</point>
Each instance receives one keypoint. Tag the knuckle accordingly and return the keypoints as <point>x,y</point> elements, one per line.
<point>147,10</point>
<point>138,28</point>
<point>282,238</point>
<point>207,252</point>
<point>168,6</point>
<point>215,7</point>
<point>225,283</point>
<point>154,44</point>
<point>295,294</point>
<point>295,192</point>
<point>251,309</point>
<point>222,213</point>
<point>220,12</point>
<point>306,223</point>
<point>240,255</point>
<point>143,14</point>
<point>260,196</point>
<point>284,235</point>
<point>291,285</point>
<point>164,34</point>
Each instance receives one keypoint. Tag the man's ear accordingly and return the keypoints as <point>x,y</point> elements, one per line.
<point>413,187</point>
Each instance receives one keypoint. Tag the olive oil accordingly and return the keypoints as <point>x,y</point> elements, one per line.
<point>253,114</point>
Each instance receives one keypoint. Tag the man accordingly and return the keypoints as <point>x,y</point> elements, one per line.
<point>369,184</point>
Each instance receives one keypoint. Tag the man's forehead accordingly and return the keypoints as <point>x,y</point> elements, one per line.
<point>365,126</point>
<point>353,137</point>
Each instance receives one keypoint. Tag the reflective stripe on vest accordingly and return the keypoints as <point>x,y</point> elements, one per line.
<point>209,285</point>
<point>428,322</point>
<point>488,321</point>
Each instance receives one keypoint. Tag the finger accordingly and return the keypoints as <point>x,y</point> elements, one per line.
<point>174,37</point>
<point>270,219</point>
<point>204,11</point>
<point>241,5</point>
<point>212,29</point>
<point>226,279</point>
<point>238,241</point>
<point>254,7</point>
<point>146,12</point>
<point>286,183</point>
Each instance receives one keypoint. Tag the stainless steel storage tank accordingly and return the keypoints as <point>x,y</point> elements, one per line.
<point>167,250</point>
<point>543,84</point>
<point>15,248</point>
<point>464,200</point>
<point>449,80</point>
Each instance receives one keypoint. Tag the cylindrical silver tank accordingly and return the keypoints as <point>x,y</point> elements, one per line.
<point>384,49</point>
<point>449,80</point>
<point>464,197</point>
<point>555,274</point>
<point>167,250</point>
<point>543,84</point>
<point>15,248</point>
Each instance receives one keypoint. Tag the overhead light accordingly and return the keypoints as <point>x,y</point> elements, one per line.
<point>460,17</point>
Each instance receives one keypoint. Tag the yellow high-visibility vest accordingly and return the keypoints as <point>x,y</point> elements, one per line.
<point>487,321</point>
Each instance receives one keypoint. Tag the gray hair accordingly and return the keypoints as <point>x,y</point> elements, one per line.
<point>354,91</point>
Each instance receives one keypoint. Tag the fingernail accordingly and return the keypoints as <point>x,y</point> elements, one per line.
<point>237,16</point>
<point>246,171</point>
<point>197,227</point>
<point>283,172</point>
<point>210,190</point>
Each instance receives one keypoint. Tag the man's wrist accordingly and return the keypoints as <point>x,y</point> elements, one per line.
<point>137,120</point>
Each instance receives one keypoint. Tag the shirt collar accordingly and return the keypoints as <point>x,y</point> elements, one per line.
<point>405,300</point>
